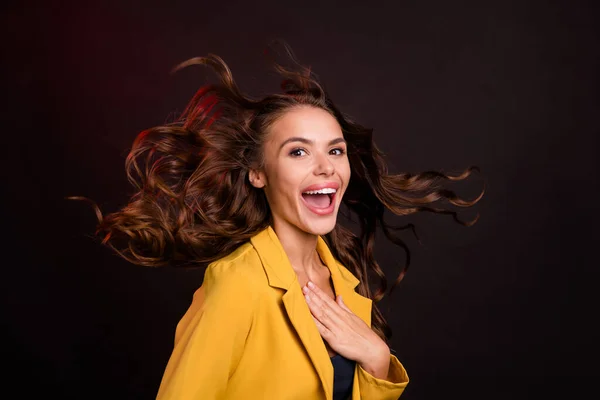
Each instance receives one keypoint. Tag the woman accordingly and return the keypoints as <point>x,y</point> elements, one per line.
<point>251,188</point>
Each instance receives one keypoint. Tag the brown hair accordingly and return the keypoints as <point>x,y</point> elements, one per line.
<point>194,204</point>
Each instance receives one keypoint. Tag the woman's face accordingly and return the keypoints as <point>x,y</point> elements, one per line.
<point>306,170</point>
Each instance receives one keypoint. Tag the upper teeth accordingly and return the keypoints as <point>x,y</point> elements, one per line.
<point>321,191</point>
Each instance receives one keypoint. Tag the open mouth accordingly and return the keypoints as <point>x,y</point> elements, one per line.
<point>320,201</point>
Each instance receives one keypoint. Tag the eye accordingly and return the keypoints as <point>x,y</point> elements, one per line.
<point>337,151</point>
<point>298,152</point>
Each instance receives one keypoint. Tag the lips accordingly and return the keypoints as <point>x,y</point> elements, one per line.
<point>320,198</point>
<point>323,185</point>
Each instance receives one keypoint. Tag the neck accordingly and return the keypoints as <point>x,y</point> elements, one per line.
<point>300,247</point>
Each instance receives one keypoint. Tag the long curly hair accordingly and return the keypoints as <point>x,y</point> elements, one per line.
<point>193,202</point>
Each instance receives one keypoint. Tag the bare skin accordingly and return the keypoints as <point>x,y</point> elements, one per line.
<point>306,149</point>
<point>322,278</point>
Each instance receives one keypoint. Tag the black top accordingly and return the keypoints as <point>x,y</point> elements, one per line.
<point>343,376</point>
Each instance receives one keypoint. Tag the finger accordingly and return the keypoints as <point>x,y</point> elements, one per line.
<point>323,330</point>
<point>326,301</point>
<point>324,312</point>
<point>341,303</point>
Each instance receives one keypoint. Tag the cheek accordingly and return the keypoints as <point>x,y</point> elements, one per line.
<point>284,180</point>
<point>345,170</point>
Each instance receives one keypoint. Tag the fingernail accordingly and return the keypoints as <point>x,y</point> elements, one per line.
<point>307,297</point>
<point>311,285</point>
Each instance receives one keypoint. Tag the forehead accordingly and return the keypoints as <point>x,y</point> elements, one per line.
<point>308,122</point>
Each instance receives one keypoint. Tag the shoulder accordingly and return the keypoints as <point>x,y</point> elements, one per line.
<point>228,289</point>
<point>236,274</point>
<point>241,263</point>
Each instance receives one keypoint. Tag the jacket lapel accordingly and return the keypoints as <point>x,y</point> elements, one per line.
<point>280,274</point>
<point>344,283</point>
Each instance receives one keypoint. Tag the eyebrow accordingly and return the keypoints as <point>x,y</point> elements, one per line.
<point>307,141</point>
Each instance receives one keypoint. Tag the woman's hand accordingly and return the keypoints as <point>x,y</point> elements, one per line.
<point>346,333</point>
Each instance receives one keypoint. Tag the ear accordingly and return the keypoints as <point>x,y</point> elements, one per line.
<point>257,178</point>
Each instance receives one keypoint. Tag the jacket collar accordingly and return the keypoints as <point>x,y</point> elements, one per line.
<point>280,274</point>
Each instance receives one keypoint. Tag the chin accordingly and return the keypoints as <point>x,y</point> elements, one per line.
<point>320,228</point>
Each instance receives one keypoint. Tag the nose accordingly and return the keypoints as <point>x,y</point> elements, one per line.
<point>324,166</point>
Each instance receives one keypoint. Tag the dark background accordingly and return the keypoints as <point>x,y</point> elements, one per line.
<point>506,309</point>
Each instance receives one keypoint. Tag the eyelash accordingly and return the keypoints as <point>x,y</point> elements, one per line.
<point>342,151</point>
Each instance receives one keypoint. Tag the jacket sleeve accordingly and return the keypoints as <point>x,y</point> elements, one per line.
<point>380,389</point>
<point>210,337</point>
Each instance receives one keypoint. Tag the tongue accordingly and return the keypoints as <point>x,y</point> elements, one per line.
<point>317,200</point>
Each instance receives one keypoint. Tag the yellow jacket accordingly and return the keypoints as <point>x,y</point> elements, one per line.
<point>249,333</point>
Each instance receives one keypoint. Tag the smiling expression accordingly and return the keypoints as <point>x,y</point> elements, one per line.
<point>305,171</point>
